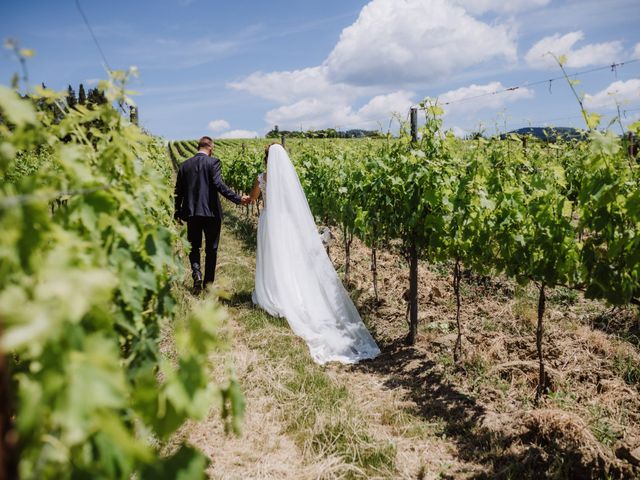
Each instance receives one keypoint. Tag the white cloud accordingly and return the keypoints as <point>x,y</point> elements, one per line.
<point>395,42</point>
<point>338,113</point>
<point>459,132</point>
<point>310,100</point>
<point>629,119</point>
<point>478,97</point>
<point>636,51</point>
<point>381,107</point>
<point>309,113</point>
<point>289,86</point>
<point>379,58</point>
<point>239,134</point>
<point>591,54</point>
<point>218,125</point>
<point>621,92</point>
<point>500,6</point>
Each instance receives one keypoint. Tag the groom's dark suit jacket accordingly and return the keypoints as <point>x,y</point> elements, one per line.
<point>197,186</point>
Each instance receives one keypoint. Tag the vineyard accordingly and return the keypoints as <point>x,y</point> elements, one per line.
<point>554,220</point>
<point>555,214</point>
<point>87,288</point>
<point>500,276</point>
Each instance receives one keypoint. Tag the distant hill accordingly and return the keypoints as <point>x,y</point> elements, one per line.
<point>549,134</point>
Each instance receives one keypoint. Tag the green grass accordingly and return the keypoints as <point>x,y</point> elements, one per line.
<point>347,441</point>
<point>627,367</point>
<point>602,426</point>
<point>563,399</point>
<point>317,411</point>
<point>563,296</point>
<point>490,325</point>
<point>409,425</point>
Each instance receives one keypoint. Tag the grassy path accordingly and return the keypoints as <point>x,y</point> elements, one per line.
<point>305,420</point>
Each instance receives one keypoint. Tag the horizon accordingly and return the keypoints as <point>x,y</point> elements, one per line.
<point>301,68</point>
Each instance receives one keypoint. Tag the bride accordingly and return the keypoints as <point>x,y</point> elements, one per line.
<point>295,278</point>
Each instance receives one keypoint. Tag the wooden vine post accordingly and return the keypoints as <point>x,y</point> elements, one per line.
<point>374,267</point>
<point>133,114</point>
<point>413,255</point>
<point>542,377</point>
<point>632,145</point>
<point>8,435</point>
<point>457,275</point>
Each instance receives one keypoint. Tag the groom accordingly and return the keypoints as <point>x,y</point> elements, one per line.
<point>197,202</point>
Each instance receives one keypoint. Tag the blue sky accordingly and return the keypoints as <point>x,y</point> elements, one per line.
<point>238,68</point>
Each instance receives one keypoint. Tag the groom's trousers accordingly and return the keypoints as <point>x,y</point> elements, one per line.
<point>210,226</point>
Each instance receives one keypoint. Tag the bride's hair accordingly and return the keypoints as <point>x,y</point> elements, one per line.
<point>266,150</point>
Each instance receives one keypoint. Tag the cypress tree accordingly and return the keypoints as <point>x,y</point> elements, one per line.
<point>96,97</point>
<point>72,101</point>
<point>91,96</point>
<point>101,98</point>
<point>82,96</point>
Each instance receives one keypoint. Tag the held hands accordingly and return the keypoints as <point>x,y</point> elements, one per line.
<point>246,200</point>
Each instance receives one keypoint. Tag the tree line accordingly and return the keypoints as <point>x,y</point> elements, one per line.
<point>323,133</point>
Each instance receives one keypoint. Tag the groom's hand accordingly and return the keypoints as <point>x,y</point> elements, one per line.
<point>246,200</point>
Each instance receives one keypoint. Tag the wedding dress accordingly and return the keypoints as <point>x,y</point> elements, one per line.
<point>295,278</point>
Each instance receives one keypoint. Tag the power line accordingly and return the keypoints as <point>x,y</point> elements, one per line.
<point>515,122</point>
<point>572,117</point>
<point>95,40</point>
<point>612,67</point>
<point>93,35</point>
<point>522,121</point>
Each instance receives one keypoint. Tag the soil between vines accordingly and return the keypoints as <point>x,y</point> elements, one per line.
<point>471,420</point>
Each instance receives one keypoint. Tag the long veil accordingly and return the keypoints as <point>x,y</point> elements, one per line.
<point>295,278</point>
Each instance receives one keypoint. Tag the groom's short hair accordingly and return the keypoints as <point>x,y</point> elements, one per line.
<point>205,142</point>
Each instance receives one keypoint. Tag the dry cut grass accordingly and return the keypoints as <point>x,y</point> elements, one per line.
<point>413,412</point>
<point>301,419</point>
